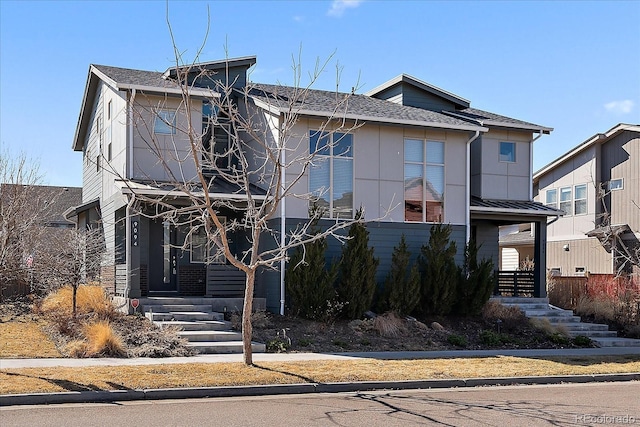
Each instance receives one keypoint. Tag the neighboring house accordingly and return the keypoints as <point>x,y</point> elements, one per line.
<point>597,186</point>
<point>419,149</point>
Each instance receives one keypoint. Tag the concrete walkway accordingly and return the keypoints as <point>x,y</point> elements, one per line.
<point>293,357</point>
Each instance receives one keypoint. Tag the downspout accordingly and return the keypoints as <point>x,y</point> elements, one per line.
<point>531,165</point>
<point>283,219</point>
<point>467,210</point>
<point>130,141</point>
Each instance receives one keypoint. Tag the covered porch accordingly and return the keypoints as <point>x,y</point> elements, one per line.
<point>487,216</point>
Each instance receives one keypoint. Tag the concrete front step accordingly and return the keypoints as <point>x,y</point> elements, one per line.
<point>224,347</point>
<point>558,319</point>
<point>593,334</point>
<point>204,336</point>
<point>176,307</point>
<point>199,325</point>
<point>589,327</point>
<point>184,316</point>
<point>546,312</point>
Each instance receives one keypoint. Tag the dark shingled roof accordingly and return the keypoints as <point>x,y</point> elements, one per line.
<point>476,114</point>
<point>521,237</point>
<point>48,202</point>
<point>321,101</point>
<point>136,77</point>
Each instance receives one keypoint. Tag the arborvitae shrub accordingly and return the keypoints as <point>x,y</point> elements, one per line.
<point>357,279</point>
<point>308,282</point>
<point>440,275</point>
<point>402,285</point>
<point>476,282</point>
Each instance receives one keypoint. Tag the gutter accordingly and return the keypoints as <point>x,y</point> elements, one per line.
<point>531,165</point>
<point>283,219</point>
<point>467,184</point>
<point>130,142</point>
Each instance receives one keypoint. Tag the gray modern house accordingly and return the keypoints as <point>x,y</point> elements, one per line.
<point>419,155</point>
<point>597,186</point>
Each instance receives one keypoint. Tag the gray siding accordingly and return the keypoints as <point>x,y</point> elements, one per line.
<point>415,97</point>
<point>486,235</point>
<point>621,159</point>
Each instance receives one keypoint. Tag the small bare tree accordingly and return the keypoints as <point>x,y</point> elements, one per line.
<point>262,163</point>
<point>68,257</point>
<point>21,214</point>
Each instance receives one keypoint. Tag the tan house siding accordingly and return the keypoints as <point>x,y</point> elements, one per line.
<point>587,253</point>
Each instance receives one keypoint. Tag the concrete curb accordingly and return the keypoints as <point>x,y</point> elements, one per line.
<point>304,388</point>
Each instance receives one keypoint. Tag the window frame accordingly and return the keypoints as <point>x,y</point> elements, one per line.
<point>212,120</point>
<point>553,204</point>
<point>330,158</point>
<point>162,123</point>
<point>576,200</point>
<point>217,259</point>
<point>566,190</point>
<point>425,164</point>
<point>618,188</point>
<point>512,155</point>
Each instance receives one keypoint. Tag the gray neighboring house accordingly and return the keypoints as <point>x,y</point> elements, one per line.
<point>597,186</point>
<point>420,149</point>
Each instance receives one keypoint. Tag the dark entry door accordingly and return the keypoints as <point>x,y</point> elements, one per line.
<point>163,259</point>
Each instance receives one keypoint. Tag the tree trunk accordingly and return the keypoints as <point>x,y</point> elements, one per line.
<point>247,309</point>
<point>74,299</point>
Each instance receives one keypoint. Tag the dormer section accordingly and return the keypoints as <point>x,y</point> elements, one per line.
<point>232,72</point>
<point>412,92</point>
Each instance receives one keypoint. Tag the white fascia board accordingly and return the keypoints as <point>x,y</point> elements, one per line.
<point>205,93</point>
<point>541,129</point>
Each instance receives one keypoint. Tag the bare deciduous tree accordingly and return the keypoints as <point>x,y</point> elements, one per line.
<point>261,164</point>
<point>21,213</point>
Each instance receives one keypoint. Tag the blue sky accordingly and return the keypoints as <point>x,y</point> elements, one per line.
<point>573,66</point>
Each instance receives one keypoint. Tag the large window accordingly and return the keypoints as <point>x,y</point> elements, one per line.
<point>165,122</point>
<point>508,152</point>
<point>331,173</point>
<point>580,199</point>
<point>565,200</point>
<point>423,180</point>
<point>216,138</point>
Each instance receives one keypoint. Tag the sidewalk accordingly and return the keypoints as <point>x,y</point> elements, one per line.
<point>106,396</point>
<point>292,357</point>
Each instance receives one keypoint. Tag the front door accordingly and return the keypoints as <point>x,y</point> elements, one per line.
<point>163,260</point>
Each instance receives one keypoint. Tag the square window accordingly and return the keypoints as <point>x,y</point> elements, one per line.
<point>165,122</point>
<point>508,152</point>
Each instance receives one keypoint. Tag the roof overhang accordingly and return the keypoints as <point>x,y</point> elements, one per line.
<point>501,125</point>
<point>598,138</point>
<point>511,209</point>
<point>240,62</point>
<point>74,211</point>
<point>138,189</point>
<point>369,119</point>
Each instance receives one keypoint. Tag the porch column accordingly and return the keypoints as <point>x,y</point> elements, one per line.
<point>133,256</point>
<point>540,259</point>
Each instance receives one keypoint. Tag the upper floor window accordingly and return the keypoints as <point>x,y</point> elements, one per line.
<point>216,138</point>
<point>565,200</point>
<point>423,180</point>
<point>551,198</point>
<point>508,152</point>
<point>331,172</point>
<point>109,110</point>
<point>580,199</point>
<point>99,130</point>
<point>165,122</point>
<point>615,184</point>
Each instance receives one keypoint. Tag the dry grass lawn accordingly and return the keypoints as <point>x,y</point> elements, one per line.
<point>27,340</point>
<point>34,380</point>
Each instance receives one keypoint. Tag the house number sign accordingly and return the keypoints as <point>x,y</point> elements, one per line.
<point>135,225</point>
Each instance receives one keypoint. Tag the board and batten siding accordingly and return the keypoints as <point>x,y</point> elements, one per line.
<point>620,158</point>
<point>587,253</point>
<point>383,237</point>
